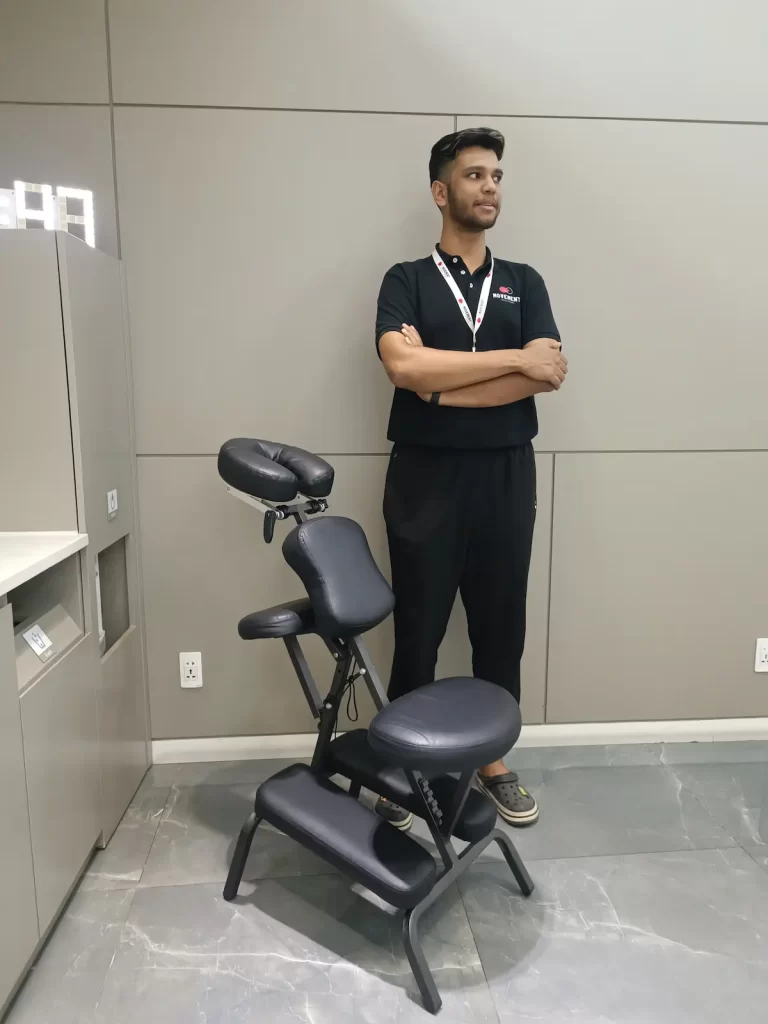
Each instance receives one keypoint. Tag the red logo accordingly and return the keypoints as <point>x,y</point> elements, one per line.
<point>460,301</point>
<point>504,290</point>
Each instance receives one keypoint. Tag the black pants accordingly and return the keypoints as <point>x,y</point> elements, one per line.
<point>460,520</point>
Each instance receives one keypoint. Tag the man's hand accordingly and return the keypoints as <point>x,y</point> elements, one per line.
<point>412,336</point>
<point>543,360</point>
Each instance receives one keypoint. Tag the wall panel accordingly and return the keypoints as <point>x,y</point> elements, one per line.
<point>596,58</point>
<point>651,238</point>
<point>658,586</point>
<point>206,565</point>
<point>52,51</point>
<point>255,244</point>
<point>62,146</point>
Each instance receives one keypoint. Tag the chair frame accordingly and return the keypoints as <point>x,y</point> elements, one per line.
<point>353,662</point>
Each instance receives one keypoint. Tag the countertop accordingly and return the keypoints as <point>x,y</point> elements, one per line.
<point>24,555</point>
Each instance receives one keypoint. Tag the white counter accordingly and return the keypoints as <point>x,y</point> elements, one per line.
<point>24,555</point>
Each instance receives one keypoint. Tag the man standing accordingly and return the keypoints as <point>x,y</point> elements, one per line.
<point>467,340</point>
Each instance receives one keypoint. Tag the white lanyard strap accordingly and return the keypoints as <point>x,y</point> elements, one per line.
<point>474,326</point>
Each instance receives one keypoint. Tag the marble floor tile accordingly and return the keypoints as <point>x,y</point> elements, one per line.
<point>121,864</point>
<point>674,938</point>
<point>735,794</point>
<point>197,835</point>
<point>300,949</point>
<point>759,855</point>
<point>217,773</point>
<point>731,752</point>
<point>65,984</point>
<point>524,759</point>
<point>595,811</point>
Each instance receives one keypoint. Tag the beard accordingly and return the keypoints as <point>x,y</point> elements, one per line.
<point>468,216</point>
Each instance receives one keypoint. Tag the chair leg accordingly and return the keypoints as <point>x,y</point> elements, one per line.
<point>513,858</point>
<point>429,994</point>
<point>243,848</point>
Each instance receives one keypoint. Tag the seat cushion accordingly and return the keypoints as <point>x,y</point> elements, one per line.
<point>292,618</point>
<point>350,755</point>
<point>347,834</point>
<point>448,726</point>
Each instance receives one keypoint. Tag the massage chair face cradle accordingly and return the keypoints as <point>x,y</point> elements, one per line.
<point>421,751</point>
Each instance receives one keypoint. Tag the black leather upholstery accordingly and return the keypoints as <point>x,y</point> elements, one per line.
<point>347,834</point>
<point>332,558</point>
<point>292,618</point>
<point>273,472</point>
<point>350,755</point>
<point>451,725</point>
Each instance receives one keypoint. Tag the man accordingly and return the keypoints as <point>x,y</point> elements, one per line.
<point>467,340</point>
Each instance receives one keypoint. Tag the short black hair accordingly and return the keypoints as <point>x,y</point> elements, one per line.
<point>446,150</point>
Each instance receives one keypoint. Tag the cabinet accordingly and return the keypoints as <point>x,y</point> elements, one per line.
<point>74,742</point>
<point>61,756</point>
<point>19,932</point>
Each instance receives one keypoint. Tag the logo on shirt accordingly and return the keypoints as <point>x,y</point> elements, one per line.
<point>505,294</point>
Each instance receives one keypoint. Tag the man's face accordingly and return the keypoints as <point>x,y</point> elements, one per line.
<point>472,194</point>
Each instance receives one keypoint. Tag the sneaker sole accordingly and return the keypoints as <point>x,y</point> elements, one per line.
<point>516,820</point>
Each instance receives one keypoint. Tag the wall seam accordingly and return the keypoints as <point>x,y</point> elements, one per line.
<point>434,113</point>
<point>112,127</point>
<point>549,587</point>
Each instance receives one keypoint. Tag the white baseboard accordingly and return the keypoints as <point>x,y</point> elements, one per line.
<point>300,745</point>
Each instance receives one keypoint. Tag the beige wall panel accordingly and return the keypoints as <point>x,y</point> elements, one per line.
<point>651,238</point>
<point>456,654</point>
<point>206,565</point>
<point>62,146</point>
<point>53,51</point>
<point>658,586</point>
<point>696,59</point>
<point>255,244</point>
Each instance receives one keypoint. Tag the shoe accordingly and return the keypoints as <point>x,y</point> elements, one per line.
<point>515,804</point>
<point>397,816</point>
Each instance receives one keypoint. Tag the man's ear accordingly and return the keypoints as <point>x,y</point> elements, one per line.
<point>440,193</point>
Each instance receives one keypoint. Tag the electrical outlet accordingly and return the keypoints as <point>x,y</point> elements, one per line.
<point>191,669</point>
<point>112,504</point>
<point>761,655</point>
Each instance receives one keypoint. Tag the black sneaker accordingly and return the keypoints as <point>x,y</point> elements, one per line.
<point>515,804</point>
<point>395,815</point>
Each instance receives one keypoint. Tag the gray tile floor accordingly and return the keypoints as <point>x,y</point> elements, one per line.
<point>651,866</point>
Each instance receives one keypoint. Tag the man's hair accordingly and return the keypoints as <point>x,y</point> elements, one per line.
<point>446,150</point>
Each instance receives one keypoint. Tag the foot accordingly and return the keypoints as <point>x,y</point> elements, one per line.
<point>515,804</point>
<point>394,814</point>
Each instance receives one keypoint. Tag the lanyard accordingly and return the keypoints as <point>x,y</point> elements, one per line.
<point>473,326</point>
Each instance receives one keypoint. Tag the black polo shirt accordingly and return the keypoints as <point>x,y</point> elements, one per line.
<point>518,311</point>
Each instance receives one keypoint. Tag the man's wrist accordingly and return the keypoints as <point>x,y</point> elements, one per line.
<point>518,361</point>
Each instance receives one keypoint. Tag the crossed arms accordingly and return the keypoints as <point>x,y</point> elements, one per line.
<point>472,379</point>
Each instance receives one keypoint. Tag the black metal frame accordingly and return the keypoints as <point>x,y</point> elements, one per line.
<point>354,662</point>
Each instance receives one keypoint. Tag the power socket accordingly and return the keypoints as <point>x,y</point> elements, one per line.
<point>191,669</point>
<point>761,655</point>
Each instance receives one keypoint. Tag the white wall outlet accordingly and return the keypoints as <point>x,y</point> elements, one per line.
<point>112,504</point>
<point>191,669</point>
<point>761,655</point>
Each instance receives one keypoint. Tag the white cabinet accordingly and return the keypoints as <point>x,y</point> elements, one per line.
<point>18,916</point>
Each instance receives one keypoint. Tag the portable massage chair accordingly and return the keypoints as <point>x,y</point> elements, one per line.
<point>421,751</point>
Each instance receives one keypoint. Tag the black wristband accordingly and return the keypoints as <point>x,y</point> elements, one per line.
<point>435,399</point>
